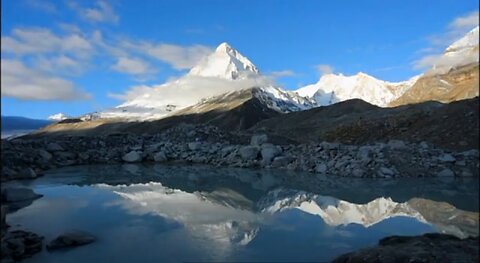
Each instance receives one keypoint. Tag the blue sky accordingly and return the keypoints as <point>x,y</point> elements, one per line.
<point>70,56</point>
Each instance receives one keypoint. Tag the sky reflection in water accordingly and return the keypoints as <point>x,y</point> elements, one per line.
<point>197,213</point>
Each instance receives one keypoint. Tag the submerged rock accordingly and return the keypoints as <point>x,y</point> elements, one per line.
<point>71,239</point>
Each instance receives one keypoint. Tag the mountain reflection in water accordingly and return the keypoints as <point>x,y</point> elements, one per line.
<point>186,213</point>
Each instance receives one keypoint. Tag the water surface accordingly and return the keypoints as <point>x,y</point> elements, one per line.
<point>165,213</point>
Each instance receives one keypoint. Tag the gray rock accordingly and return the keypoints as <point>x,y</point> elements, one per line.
<point>269,151</point>
<point>71,239</point>
<point>357,172</point>
<point>471,153</point>
<point>423,145</point>
<point>194,146</point>
<point>321,168</point>
<point>396,144</point>
<point>447,158</point>
<point>132,157</point>
<point>53,147</point>
<point>258,139</point>
<point>160,157</point>
<point>281,161</point>
<point>227,150</point>
<point>18,194</point>
<point>249,152</point>
<point>446,173</point>
<point>385,172</point>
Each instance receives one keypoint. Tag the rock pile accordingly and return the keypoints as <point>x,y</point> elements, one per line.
<point>28,158</point>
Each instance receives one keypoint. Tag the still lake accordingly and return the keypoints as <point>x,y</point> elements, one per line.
<point>179,213</point>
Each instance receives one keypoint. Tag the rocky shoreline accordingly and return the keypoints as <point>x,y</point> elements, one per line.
<point>29,157</point>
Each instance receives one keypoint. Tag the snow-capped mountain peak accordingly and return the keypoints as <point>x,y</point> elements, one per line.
<point>225,62</point>
<point>468,41</point>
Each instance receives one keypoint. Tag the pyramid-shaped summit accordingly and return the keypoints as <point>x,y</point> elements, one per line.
<point>225,62</point>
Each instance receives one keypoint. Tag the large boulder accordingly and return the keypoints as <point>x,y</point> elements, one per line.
<point>249,152</point>
<point>71,239</point>
<point>269,151</point>
<point>258,139</point>
<point>281,161</point>
<point>132,157</point>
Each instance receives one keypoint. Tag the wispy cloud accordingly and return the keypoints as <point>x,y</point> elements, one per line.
<point>25,41</point>
<point>179,57</point>
<point>19,81</point>
<point>324,69</point>
<point>137,67</point>
<point>282,74</point>
<point>42,5</point>
<point>102,12</point>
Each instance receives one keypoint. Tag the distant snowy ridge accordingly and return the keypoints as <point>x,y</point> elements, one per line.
<point>58,117</point>
<point>332,88</point>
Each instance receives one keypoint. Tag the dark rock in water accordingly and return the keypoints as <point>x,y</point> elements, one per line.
<point>71,239</point>
<point>426,248</point>
<point>18,194</point>
<point>17,198</point>
<point>17,245</point>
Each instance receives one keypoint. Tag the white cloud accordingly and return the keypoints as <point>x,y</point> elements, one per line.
<point>102,12</point>
<point>465,22</point>
<point>39,40</point>
<point>179,57</point>
<point>42,5</point>
<point>324,69</point>
<point>61,64</point>
<point>132,66</point>
<point>282,74</point>
<point>185,91</point>
<point>21,82</point>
